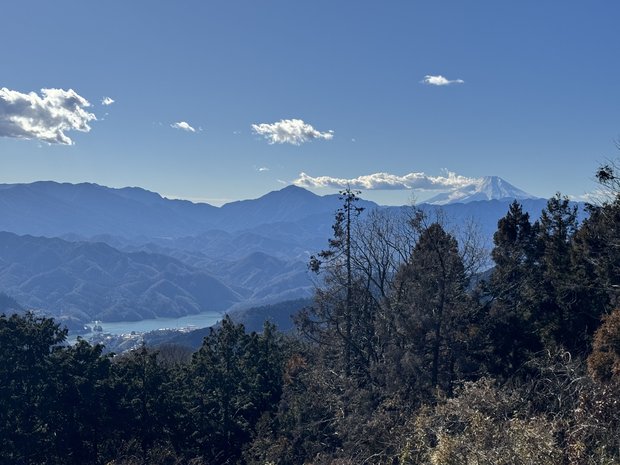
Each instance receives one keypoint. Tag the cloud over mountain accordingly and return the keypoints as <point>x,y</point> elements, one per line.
<point>387,181</point>
<point>439,80</point>
<point>485,188</point>
<point>290,131</point>
<point>45,117</point>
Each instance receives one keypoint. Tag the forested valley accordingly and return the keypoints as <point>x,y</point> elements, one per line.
<point>416,350</point>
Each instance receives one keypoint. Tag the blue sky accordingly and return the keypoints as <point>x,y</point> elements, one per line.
<point>332,89</point>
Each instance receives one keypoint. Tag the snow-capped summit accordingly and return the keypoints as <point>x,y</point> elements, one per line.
<point>486,188</point>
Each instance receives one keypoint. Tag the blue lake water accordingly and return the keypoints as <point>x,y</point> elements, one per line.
<point>200,320</point>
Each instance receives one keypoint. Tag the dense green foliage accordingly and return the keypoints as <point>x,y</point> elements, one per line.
<point>405,356</point>
<point>70,404</point>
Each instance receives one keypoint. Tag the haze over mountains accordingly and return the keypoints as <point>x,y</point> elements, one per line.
<point>130,254</point>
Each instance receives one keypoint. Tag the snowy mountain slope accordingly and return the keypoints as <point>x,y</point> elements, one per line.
<point>488,188</point>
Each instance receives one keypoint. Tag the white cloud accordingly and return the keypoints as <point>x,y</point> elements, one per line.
<point>595,197</point>
<point>183,126</point>
<point>290,131</point>
<point>387,181</point>
<point>263,168</point>
<point>45,117</point>
<point>440,80</point>
<point>107,101</point>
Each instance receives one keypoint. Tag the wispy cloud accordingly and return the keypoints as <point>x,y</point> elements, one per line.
<point>387,181</point>
<point>439,80</point>
<point>107,101</point>
<point>595,197</point>
<point>262,169</point>
<point>184,126</point>
<point>290,131</point>
<point>45,117</point>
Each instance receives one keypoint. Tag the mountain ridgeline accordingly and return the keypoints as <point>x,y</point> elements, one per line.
<point>82,251</point>
<point>53,209</point>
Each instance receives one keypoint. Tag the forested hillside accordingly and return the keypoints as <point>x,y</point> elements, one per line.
<point>400,359</point>
<point>84,281</point>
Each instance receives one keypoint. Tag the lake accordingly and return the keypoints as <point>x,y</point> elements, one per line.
<point>200,320</point>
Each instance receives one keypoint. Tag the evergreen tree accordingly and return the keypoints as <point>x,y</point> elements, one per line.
<point>597,249</point>
<point>144,408</point>
<point>26,392</point>
<point>433,312</point>
<point>557,293</point>
<point>338,258</point>
<point>232,380</point>
<point>511,288</point>
<point>79,401</point>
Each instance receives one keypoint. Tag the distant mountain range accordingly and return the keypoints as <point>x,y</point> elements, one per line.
<point>52,209</point>
<point>130,254</point>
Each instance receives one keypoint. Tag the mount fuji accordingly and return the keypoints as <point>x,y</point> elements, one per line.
<point>486,188</point>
